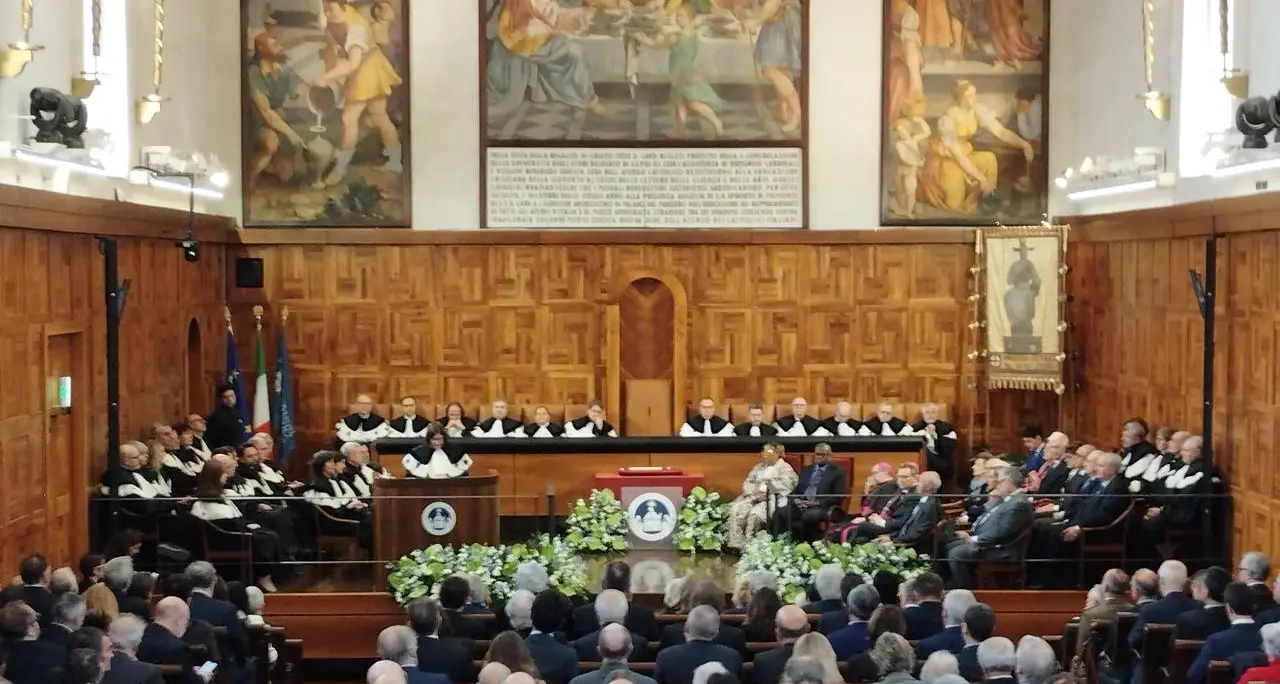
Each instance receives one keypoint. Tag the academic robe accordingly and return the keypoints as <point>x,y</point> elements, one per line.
<point>1185,489</point>
<point>1150,481</point>
<point>894,427</point>
<point>263,478</point>
<point>181,469</point>
<point>790,426</point>
<point>543,431</point>
<point>334,495</point>
<point>841,428</point>
<point>201,448</point>
<point>436,464</point>
<point>1140,464</point>
<point>404,427</point>
<point>138,493</point>
<point>697,426</point>
<point>492,428</point>
<point>361,477</point>
<point>583,427</point>
<point>941,445</point>
<point>225,428</point>
<point>468,424</point>
<point>362,429</point>
<point>749,430</point>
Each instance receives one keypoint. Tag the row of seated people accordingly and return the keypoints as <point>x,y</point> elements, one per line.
<point>237,499</point>
<point>104,628</point>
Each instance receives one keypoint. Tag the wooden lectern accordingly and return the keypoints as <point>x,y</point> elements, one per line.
<point>411,514</point>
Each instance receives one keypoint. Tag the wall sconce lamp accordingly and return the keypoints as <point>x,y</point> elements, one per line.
<point>19,54</point>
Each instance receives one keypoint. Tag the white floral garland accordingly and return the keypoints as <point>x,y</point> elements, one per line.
<point>795,562</point>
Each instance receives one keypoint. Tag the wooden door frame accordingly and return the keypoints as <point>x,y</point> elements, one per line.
<point>679,343</point>
<point>80,412</point>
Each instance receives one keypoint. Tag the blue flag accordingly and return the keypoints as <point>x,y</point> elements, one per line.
<point>282,411</point>
<point>233,379</point>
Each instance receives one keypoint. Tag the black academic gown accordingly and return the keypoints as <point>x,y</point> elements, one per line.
<point>509,425</point>
<point>423,452</point>
<point>183,484</point>
<point>895,424</point>
<point>356,422</point>
<point>699,425</point>
<point>1184,498</point>
<point>468,424</point>
<point>551,429</point>
<point>832,425</point>
<point>766,430</point>
<point>942,452</point>
<point>225,428</point>
<point>584,423</point>
<point>402,425</point>
<point>787,423</point>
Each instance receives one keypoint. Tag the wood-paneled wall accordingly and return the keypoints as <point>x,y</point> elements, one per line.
<point>1140,339</point>
<point>52,308</point>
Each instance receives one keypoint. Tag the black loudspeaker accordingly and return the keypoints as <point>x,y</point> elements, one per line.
<point>249,272</point>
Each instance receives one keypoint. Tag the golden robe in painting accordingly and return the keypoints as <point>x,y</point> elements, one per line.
<point>943,183</point>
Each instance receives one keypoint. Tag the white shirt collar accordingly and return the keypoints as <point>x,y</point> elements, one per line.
<point>1242,621</point>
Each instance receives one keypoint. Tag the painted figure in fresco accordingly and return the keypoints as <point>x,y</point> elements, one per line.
<point>1023,287</point>
<point>778,54</point>
<point>532,54</point>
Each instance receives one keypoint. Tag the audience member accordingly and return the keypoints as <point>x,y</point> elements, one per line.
<point>792,623</point>
<point>954,606</point>
<point>851,639</point>
<point>1255,567</point>
<point>838,618</point>
<point>101,606</point>
<point>640,619</point>
<point>219,613</point>
<point>509,650</point>
<point>939,663</point>
<point>493,673</point>
<point>62,581</point>
<point>557,663</point>
<point>386,672</point>
<point>893,658</point>
<point>455,595</point>
<point>610,607</point>
<point>764,605</point>
<point>706,594</point>
<point>704,672</point>
<point>162,642</point>
<point>90,570</point>
<point>1112,591</point>
<point>95,640</point>
<point>884,620</point>
<point>923,606</point>
<point>1174,601</point>
<point>30,659</point>
<point>998,659</point>
<point>1240,636</point>
<point>398,644</point>
<point>519,612</point>
<point>83,666</point>
<point>66,616</point>
<point>1270,671</point>
<point>1036,660</point>
<point>978,625</point>
<point>446,656</point>
<point>117,574</point>
<point>816,646</point>
<point>801,671</point>
<point>675,665</point>
<point>614,646</point>
<point>826,581</point>
<point>1208,587</point>
<point>125,634</point>
<point>33,573</point>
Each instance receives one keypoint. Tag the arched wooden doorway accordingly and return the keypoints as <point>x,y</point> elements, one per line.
<point>197,396</point>
<point>646,330</point>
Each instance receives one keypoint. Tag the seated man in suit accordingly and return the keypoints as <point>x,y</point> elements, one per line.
<point>755,425</point>
<point>791,623</point>
<point>922,607</point>
<point>917,529</point>
<point>1007,515</point>
<point>1254,570</point>
<point>1209,587</point>
<point>455,594</point>
<point>399,645</point>
<point>706,594</point>
<point>1165,610</point>
<point>1053,473</point>
<point>851,639</point>
<point>448,656</point>
<point>640,619</point>
<point>826,583</point>
<point>979,625</point>
<point>31,659</point>
<point>1106,502</point>
<point>1036,660</point>
<point>556,662</point>
<point>955,605</point>
<point>706,423</point>
<point>675,665</point>
<point>125,633</point>
<point>162,642</point>
<point>1242,636</point>
<point>614,651</point>
<point>611,608</point>
<point>219,613</point>
<point>821,487</point>
<point>895,513</point>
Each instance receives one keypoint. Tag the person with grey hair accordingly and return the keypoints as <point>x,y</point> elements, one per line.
<point>1036,661</point>
<point>217,612</point>
<point>1268,671</point>
<point>117,574</point>
<point>704,672</point>
<point>1174,601</point>
<point>676,594</point>
<point>1255,567</point>
<point>63,580</point>
<point>611,608</point>
<point>398,644</point>
<point>802,670</point>
<point>826,581</point>
<point>997,658</point>
<point>939,663</point>
<point>949,679</point>
<point>1007,515</point>
<point>448,657</point>
<point>614,649</point>
<point>954,606</point>
<point>386,672</point>
<point>762,579</point>
<point>894,658</point>
<point>66,616</point>
<point>479,595</point>
<point>531,577</point>
<point>125,633</point>
<point>676,664</point>
<point>925,512</point>
<point>493,673</point>
<point>852,638</point>
<point>519,611</point>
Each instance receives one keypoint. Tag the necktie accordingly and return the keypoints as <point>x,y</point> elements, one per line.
<point>811,489</point>
<point>915,513</point>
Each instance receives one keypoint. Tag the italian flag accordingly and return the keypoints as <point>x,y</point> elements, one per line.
<point>261,400</point>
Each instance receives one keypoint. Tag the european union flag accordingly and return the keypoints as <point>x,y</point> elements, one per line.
<point>233,379</point>
<point>282,413</point>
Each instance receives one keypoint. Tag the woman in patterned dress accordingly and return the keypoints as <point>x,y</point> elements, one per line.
<point>749,513</point>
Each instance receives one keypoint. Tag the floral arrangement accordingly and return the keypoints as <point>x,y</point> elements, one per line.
<point>795,563</point>
<point>703,522</point>
<point>421,572</point>
<point>597,525</point>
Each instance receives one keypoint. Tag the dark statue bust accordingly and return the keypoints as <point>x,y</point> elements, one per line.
<point>1023,287</point>
<point>59,118</point>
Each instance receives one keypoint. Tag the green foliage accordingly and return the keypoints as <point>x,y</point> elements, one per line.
<point>795,563</point>
<point>597,525</point>
<point>421,572</point>
<point>703,522</point>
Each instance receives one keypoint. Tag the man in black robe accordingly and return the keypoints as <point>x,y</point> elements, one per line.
<point>436,458</point>
<point>409,424</point>
<point>939,438</point>
<point>542,426</point>
<point>885,424</point>
<point>455,421</point>
<point>799,423</point>
<point>225,427</point>
<point>1136,453</point>
<point>706,423</point>
<point>842,424</point>
<point>755,425</point>
<point>498,424</point>
<point>1185,490</point>
<point>362,424</point>
<point>591,425</point>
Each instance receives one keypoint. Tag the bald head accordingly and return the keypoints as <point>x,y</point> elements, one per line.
<point>1175,441</point>
<point>173,614</point>
<point>615,643</point>
<point>792,622</point>
<point>519,678</point>
<point>1192,449</point>
<point>1173,576</point>
<point>493,673</point>
<point>1145,584</point>
<point>383,668</point>
<point>391,678</point>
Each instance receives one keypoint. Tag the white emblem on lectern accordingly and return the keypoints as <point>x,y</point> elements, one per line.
<point>651,517</point>
<point>439,519</point>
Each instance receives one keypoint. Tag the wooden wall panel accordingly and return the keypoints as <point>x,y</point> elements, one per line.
<point>52,284</point>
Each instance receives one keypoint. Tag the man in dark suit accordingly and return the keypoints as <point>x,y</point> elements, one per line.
<point>203,578</point>
<point>978,626</point>
<point>917,528</point>
<point>399,645</point>
<point>851,639</point>
<point>1108,500</point>
<point>1007,516</point>
<point>822,486</point>
<point>448,656</point>
<point>895,514</point>
<point>1255,567</point>
<point>675,665</point>
<point>955,606</point>
<point>1270,615</point>
<point>610,608</point>
<point>199,632</point>
<point>33,571</point>
<point>826,582</point>
<point>162,643</point>
<point>791,623</point>
<point>1209,588</point>
<point>706,594</point>
<point>455,594</point>
<point>1033,441</point>
<point>614,652</point>
<point>838,618</point>
<point>1053,473</point>
<point>126,633</point>
<point>640,618</point>
<point>117,574</point>
<point>556,662</point>
<point>1165,610</point>
<point>30,659</point>
<point>65,617</point>
<point>1241,636</point>
<point>923,611</point>
<point>999,660</point>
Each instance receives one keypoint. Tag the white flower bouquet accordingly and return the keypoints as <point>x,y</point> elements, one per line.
<point>795,562</point>
<point>421,572</point>
<point>703,522</point>
<point>597,524</point>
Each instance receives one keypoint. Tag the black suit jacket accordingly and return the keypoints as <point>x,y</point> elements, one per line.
<point>30,662</point>
<point>640,620</point>
<point>455,625</point>
<point>825,606</point>
<point>222,614</point>
<point>556,662</point>
<point>40,600</point>
<point>160,647</point>
<point>200,633</point>
<point>676,665</point>
<point>588,648</point>
<point>920,521</point>
<point>58,636</point>
<point>729,636</point>
<point>447,656</point>
<point>1262,598</point>
<point>1201,622</point>
<point>770,664</point>
<point>1055,479</point>
<point>1163,611</point>
<point>126,670</point>
<point>967,658</point>
<point>833,620</point>
<point>1102,508</point>
<point>923,620</point>
<point>832,489</point>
